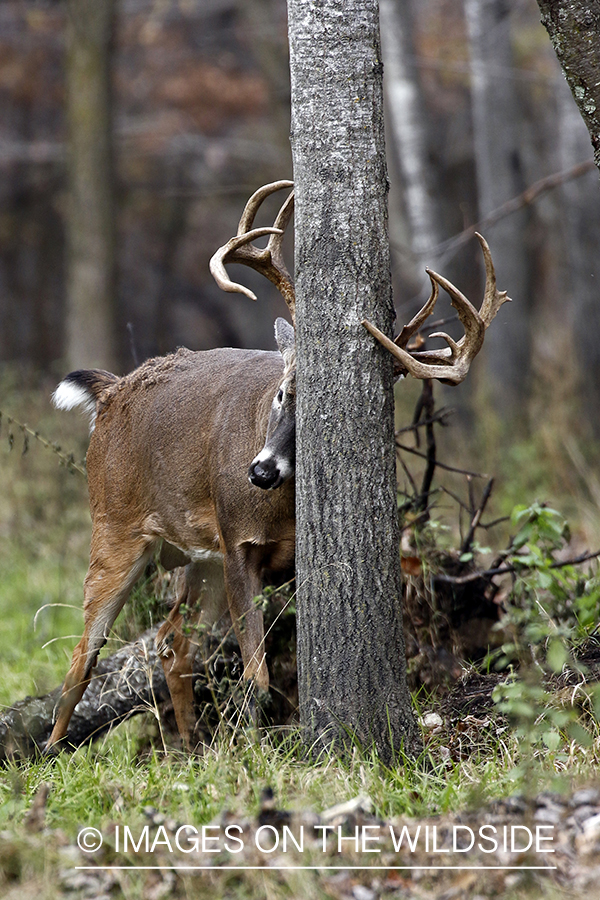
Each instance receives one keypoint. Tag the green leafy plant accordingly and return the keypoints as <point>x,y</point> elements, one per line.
<point>550,611</point>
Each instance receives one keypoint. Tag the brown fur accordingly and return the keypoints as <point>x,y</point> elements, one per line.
<point>168,461</point>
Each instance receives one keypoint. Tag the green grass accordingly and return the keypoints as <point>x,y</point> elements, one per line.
<point>115,780</point>
<point>44,537</point>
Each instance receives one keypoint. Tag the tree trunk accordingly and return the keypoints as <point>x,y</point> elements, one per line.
<point>574,29</point>
<point>496,114</point>
<point>406,108</point>
<point>90,219</point>
<point>351,658</point>
<point>580,311</point>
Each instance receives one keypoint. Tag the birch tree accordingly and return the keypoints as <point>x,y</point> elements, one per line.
<point>351,658</point>
<point>574,30</point>
<point>581,279</point>
<point>496,114</point>
<point>406,116</point>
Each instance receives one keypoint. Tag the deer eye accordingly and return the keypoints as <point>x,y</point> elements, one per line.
<point>279,397</point>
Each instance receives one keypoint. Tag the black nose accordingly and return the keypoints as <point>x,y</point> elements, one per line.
<point>264,474</point>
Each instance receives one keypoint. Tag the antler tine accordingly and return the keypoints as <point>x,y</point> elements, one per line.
<point>256,200</point>
<point>493,298</point>
<point>279,227</point>
<point>268,261</point>
<point>451,363</point>
<point>285,285</point>
<point>228,253</point>
<point>409,364</point>
<point>417,321</point>
<point>469,317</point>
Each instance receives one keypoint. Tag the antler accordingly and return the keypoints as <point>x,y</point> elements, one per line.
<point>269,261</point>
<point>449,364</point>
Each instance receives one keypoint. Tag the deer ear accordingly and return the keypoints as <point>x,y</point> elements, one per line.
<point>286,340</point>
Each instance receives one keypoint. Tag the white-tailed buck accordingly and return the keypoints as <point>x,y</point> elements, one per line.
<point>168,465</point>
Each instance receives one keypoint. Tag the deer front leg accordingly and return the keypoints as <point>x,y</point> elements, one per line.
<point>200,583</point>
<point>112,573</point>
<point>243,583</point>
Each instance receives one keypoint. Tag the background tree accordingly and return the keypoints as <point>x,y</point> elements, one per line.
<point>407,117</point>
<point>351,659</point>
<point>497,130</point>
<point>90,222</point>
<point>574,29</point>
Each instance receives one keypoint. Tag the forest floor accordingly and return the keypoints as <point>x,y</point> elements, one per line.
<point>547,845</point>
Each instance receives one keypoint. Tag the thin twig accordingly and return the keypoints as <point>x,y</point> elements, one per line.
<point>411,479</point>
<point>400,446</point>
<point>494,522</point>
<point>67,459</point>
<point>525,198</point>
<point>440,416</point>
<point>466,544</point>
<point>456,498</point>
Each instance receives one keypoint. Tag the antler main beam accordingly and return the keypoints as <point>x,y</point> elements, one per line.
<point>268,261</point>
<point>449,364</point>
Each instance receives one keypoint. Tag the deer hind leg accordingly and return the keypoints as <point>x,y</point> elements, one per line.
<point>200,583</point>
<point>112,573</point>
<point>243,582</point>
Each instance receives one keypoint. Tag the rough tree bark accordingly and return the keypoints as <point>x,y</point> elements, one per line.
<point>351,658</point>
<point>90,218</point>
<point>496,114</point>
<point>574,29</point>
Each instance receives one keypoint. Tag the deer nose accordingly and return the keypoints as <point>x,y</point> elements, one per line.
<point>264,474</point>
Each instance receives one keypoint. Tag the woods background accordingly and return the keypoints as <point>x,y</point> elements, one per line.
<point>478,112</point>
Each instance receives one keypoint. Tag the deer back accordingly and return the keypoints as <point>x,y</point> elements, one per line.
<point>171,447</point>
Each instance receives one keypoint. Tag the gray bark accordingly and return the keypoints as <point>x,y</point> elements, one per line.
<point>574,29</point>
<point>498,156</point>
<point>351,658</point>
<point>90,219</point>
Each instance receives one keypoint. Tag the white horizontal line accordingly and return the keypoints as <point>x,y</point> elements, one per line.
<point>323,868</point>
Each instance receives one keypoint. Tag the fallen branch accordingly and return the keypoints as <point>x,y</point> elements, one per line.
<point>132,681</point>
<point>124,684</point>
<point>511,569</point>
